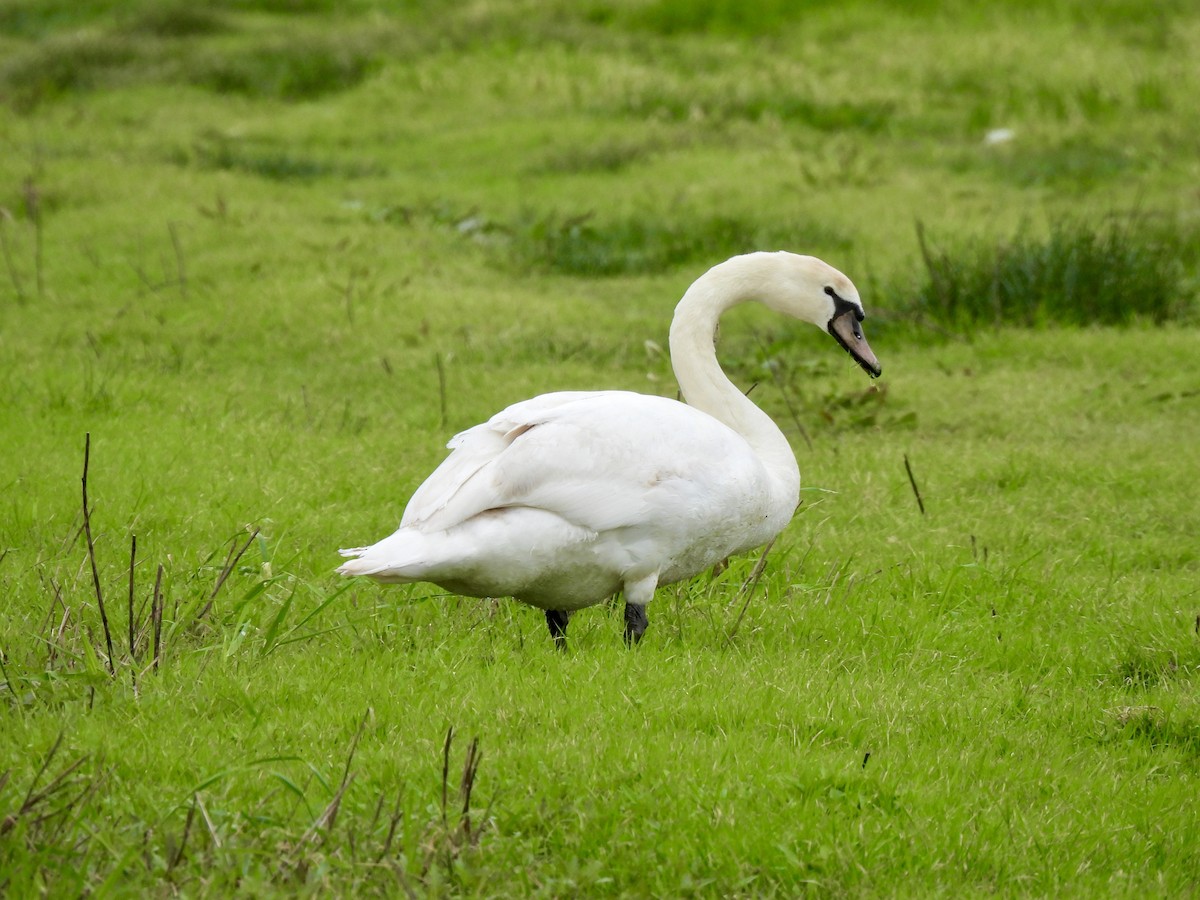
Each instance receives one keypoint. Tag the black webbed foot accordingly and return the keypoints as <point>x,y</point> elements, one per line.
<point>556,621</point>
<point>635,623</point>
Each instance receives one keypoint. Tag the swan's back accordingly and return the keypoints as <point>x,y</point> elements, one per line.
<point>602,460</point>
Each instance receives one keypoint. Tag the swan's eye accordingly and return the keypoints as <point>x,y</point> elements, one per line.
<point>830,291</point>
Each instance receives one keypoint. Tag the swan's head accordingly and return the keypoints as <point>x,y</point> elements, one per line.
<point>812,290</point>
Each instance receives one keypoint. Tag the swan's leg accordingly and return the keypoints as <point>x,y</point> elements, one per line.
<point>637,595</point>
<point>635,623</point>
<point>556,620</point>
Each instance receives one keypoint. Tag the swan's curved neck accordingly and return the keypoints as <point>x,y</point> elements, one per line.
<point>703,383</point>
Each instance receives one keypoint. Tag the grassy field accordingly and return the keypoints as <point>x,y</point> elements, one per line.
<point>262,258</point>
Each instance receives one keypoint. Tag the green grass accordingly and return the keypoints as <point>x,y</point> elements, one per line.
<point>1081,273</point>
<point>271,255</point>
<point>649,242</point>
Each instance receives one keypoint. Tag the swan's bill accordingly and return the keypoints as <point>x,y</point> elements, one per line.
<point>846,329</point>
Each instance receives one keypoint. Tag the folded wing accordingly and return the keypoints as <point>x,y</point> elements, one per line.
<point>600,460</point>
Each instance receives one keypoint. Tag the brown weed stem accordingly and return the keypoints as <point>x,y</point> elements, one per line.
<point>156,614</point>
<point>132,622</point>
<point>912,480</point>
<point>91,547</point>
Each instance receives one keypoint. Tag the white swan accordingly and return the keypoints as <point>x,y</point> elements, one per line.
<point>563,500</point>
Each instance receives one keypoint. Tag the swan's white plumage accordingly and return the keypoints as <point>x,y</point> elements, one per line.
<point>567,498</point>
<point>606,493</point>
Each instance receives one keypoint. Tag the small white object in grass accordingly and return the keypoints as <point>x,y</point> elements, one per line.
<point>998,136</point>
<point>471,224</point>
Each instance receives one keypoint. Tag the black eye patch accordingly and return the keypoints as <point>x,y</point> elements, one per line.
<point>841,305</point>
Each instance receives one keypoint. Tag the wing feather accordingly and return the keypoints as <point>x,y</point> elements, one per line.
<point>474,450</point>
<point>600,460</point>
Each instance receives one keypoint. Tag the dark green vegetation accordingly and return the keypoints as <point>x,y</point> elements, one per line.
<point>271,254</point>
<point>1082,273</point>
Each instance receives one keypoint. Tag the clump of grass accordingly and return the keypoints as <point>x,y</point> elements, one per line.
<point>599,156</point>
<point>63,66</point>
<point>583,245</point>
<point>74,648</point>
<point>141,43</point>
<point>452,834</point>
<point>38,18</point>
<point>296,70</point>
<point>35,20</point>
<point>1142,668</point>
<point>292,7</point>
<point>1123,270</point>
<point>814,395</point>
<point>724,103</point>
<point>272,163</point>
<point>669,17</point>
<point>51,808</point>
<point>178,20</point>
<point>1079,164</point>
<point>1154,729</point>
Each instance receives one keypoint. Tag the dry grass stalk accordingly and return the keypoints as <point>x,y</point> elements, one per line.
<point>446,841</point>
<point>91,547</point>
<point>132,620</point>
<point>156,614</point>
<point>912,480</point>
<point>748,586</point>
<point>38,807</point>
<point>230,562</point>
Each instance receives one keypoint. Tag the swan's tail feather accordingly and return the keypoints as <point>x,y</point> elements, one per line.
<point>398,558</point>
<point>371,568</point>
<point>380,570</point>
